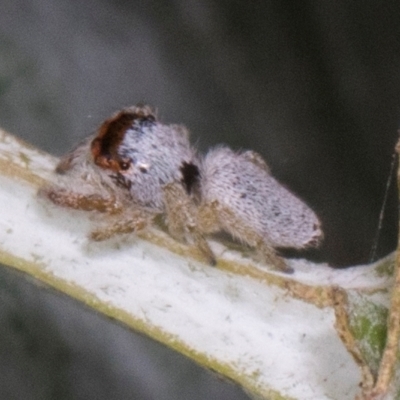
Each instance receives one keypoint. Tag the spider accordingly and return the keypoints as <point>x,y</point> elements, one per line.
<point>136,168</point>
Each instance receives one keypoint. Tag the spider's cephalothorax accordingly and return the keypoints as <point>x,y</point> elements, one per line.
<point>136,168</point>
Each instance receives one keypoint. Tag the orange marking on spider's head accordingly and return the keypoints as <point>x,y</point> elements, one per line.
<point>104,146</point>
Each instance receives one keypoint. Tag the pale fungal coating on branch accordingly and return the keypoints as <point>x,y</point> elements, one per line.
<point>136,168</point>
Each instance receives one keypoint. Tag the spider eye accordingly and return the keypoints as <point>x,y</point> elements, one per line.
<point>124,165</point>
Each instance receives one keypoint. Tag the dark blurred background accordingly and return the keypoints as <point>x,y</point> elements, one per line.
<point>313,86</point>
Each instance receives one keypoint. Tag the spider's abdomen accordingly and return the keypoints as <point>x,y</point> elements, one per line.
<point>242,184</point>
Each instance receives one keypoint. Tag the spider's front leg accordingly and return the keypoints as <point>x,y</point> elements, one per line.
<point>126,222</point>
<point>118,219</point>
<point>213,217</point>
<point>81,201</point>
<point>182,219</point>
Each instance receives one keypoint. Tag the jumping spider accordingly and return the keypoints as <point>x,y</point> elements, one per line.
<point>136,168</point>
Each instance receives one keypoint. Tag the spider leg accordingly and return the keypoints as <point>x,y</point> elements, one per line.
<point>131,221</point>
<point>81,201</point>
<point>181,214</point>
<point>214,217</point>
